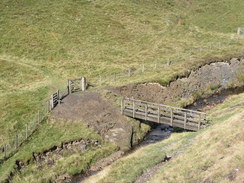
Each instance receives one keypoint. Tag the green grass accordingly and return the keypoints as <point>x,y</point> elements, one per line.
<point>53,133</point>
<point>221,139</point>
<point>53,41</point>
<point>43,43</point>
<point>216,152</point>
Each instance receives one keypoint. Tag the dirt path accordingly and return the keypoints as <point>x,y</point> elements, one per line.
<point>97,113</point>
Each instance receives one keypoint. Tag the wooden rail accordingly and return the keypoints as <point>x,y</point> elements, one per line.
<point>164,114</point>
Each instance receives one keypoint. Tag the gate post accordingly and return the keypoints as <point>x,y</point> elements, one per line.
<point>69,87</point>
<point>83,84</point>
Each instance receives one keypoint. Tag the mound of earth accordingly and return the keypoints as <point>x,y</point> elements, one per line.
<point>106,119</point>
<point>207,79</point>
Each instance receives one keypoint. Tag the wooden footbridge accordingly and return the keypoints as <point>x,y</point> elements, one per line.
<point>163,114</point>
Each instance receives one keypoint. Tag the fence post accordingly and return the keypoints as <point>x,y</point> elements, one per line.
<point>5,150</point>
<point>51,102</point>
<point>38,117</point>
<point>26,131</point>
<point>16,141</point>
<point>122,106</point>
<point>59,98</point>
<point>133,109</point>
<point>69,87</point>
<point>115,76</point>
<point>239,31</point>
<point>169,62</point>
<point>199,123</point>
<point>129,72</point>
<point>83,85</point>
<point>155,66</point>
<point>100,80</point>
<point>143,68</point>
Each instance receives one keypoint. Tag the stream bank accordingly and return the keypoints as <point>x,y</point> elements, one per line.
<point>202,89</point>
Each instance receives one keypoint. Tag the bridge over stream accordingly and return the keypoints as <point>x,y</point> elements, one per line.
<point>163,114</point>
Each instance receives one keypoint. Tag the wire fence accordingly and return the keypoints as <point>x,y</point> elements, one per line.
<point>10,147</point>
<point>190,54</point>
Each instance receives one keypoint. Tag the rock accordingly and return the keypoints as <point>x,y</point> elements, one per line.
<point>83,148</point>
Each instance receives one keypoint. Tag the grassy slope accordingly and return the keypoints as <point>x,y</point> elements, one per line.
<point>217,152</point>
<point>53,133</point>
<point>214,153</point>
<point>43,43</point>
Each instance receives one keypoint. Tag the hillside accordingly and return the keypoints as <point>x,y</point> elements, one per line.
<point>44,43</point>
<point>212,155</point>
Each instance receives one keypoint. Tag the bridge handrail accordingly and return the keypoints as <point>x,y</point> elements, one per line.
<point>168,106</point>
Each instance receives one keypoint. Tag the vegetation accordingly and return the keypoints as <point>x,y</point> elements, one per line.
<point>53,41</point>
<point>217,154</point>
<point>53,133</point>
<point>213,153</point>
<point>43,43</point>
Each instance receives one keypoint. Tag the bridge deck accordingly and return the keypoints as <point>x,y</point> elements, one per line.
<point>164,114</point>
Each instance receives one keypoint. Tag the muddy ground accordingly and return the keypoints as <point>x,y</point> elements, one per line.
<point>206,80</point>
<point>102,116</point>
